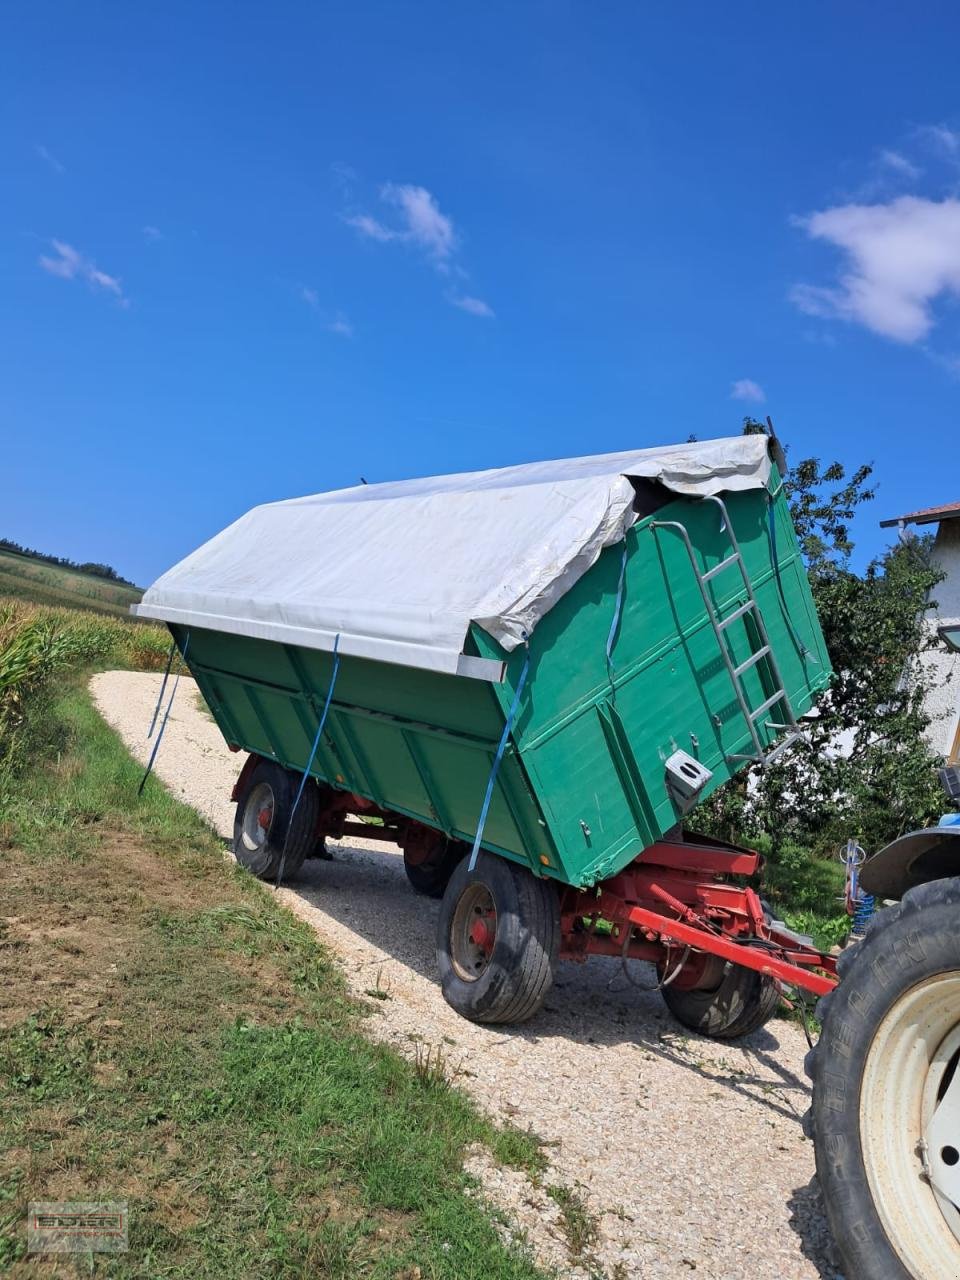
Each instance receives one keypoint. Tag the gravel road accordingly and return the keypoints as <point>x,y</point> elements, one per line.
<point>687,1152</point>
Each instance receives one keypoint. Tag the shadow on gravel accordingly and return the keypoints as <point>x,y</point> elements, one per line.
<point>808,1220</point>
<point>366,891</point>
<point>595,1003</point>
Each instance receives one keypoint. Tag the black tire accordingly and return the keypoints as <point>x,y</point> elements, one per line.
<point>431,877</point>
<point>908,950</point>
<point>512,982</point>
<point>741,1002</point>
<point>273,788</point>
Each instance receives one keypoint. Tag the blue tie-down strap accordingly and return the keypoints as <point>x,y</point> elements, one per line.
<point>794,635</point>
<point>166,714</point>
<point>615,623</point>
<point>163,686</point>
<point>504,739</point>
<point>313,752</point>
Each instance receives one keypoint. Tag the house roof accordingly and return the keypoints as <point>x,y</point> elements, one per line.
<point>927,515</point>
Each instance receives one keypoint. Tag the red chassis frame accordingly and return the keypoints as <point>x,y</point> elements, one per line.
<point>674,904</point>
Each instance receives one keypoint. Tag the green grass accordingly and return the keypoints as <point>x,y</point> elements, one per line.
<point>37,582</point>
<point>579,1226</point>
<point>807,891</point>
<point>171,1036</point>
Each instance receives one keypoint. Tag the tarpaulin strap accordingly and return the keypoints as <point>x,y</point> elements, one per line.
<point>163,685</point>
<point>166,717</point>
<point>615,624</point>
<point>794,636</point>
<point>504,737</point>
<point>313,752</point>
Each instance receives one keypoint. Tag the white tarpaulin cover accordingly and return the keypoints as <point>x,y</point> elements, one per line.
<point>400,570</point>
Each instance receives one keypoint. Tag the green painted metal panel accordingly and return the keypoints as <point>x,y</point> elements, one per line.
<point>419,742</point>
<point>582,788</point>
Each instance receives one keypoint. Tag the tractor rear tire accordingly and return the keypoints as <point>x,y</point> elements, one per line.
<point>264,840</point>
<point>885,1092</point>
<point>497,940</point>
<point>738,1004</point>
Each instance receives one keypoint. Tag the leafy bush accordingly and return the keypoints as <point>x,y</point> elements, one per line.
<point>864,769</point>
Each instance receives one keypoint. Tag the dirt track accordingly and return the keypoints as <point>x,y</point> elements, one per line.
<point>688,1152</point>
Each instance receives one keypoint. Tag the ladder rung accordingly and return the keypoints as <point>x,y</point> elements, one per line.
<point>717,568</point>
<point>774,698</point>
<point>779,749</point>
<point>768,757</point>
<point>752,660</point>
<point>737,613</point>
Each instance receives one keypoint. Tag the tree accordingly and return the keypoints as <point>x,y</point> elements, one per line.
<point>864,768</point>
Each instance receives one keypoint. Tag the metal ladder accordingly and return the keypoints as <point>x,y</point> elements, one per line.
<point>788,723</point>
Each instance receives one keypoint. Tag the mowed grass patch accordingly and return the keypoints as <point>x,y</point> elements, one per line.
<point>171,1036</point>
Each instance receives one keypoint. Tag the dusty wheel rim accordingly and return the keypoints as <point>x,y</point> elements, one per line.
<point>258,817</point>
<point>473,932</point>
<point>910,1126</point>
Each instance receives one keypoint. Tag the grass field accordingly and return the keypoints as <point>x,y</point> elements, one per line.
<point>171,1037</point>
<point>37,582</point>
<point>39,645</point>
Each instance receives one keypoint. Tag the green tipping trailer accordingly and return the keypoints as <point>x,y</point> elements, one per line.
<point>688,649</point>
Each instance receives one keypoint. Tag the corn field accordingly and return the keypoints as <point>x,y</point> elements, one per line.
<point>37,643</point>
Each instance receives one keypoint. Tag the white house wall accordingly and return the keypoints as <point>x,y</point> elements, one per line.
<point>943,702</point>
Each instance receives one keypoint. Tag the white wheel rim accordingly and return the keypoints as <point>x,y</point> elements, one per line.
<point>903,1103</point>
<point>473,930</point>
<point>257,817</point>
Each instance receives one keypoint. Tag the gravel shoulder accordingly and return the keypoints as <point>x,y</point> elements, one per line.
<point>687,1153</point>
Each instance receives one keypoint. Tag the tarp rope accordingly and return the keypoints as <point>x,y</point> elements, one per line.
<point>794,636</point>
<point>313,752</point>
<point>163,685</point>
<point>504,737</point>
<point>615,624</point>
<point>166,714</point>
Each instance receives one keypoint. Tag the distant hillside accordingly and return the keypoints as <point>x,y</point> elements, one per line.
<point>38,580</point>
<point>92,567</point>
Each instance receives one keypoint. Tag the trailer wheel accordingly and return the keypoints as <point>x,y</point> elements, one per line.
<point>430,876</point>
<point>497,940</point>
<point>263,816</point>
<point>738,1002</point>
<point>886,1092</point>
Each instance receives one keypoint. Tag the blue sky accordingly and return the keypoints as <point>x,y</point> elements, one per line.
<point>253,251</point>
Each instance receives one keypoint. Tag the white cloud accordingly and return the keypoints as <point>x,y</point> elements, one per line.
<point>372,229</point>
<point>747,389</point>
<point>419,223</point>
<point>426,226</point>
<point>151,234</point>
<point>941,136</point>
<point>899,163</point>
<point>899,258</point>
<point>341,325</point>
<point>474,306</point>
<point>338,323</point>
<point>49,158</point>
<point>71,264</point>
<point>343,176</point>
